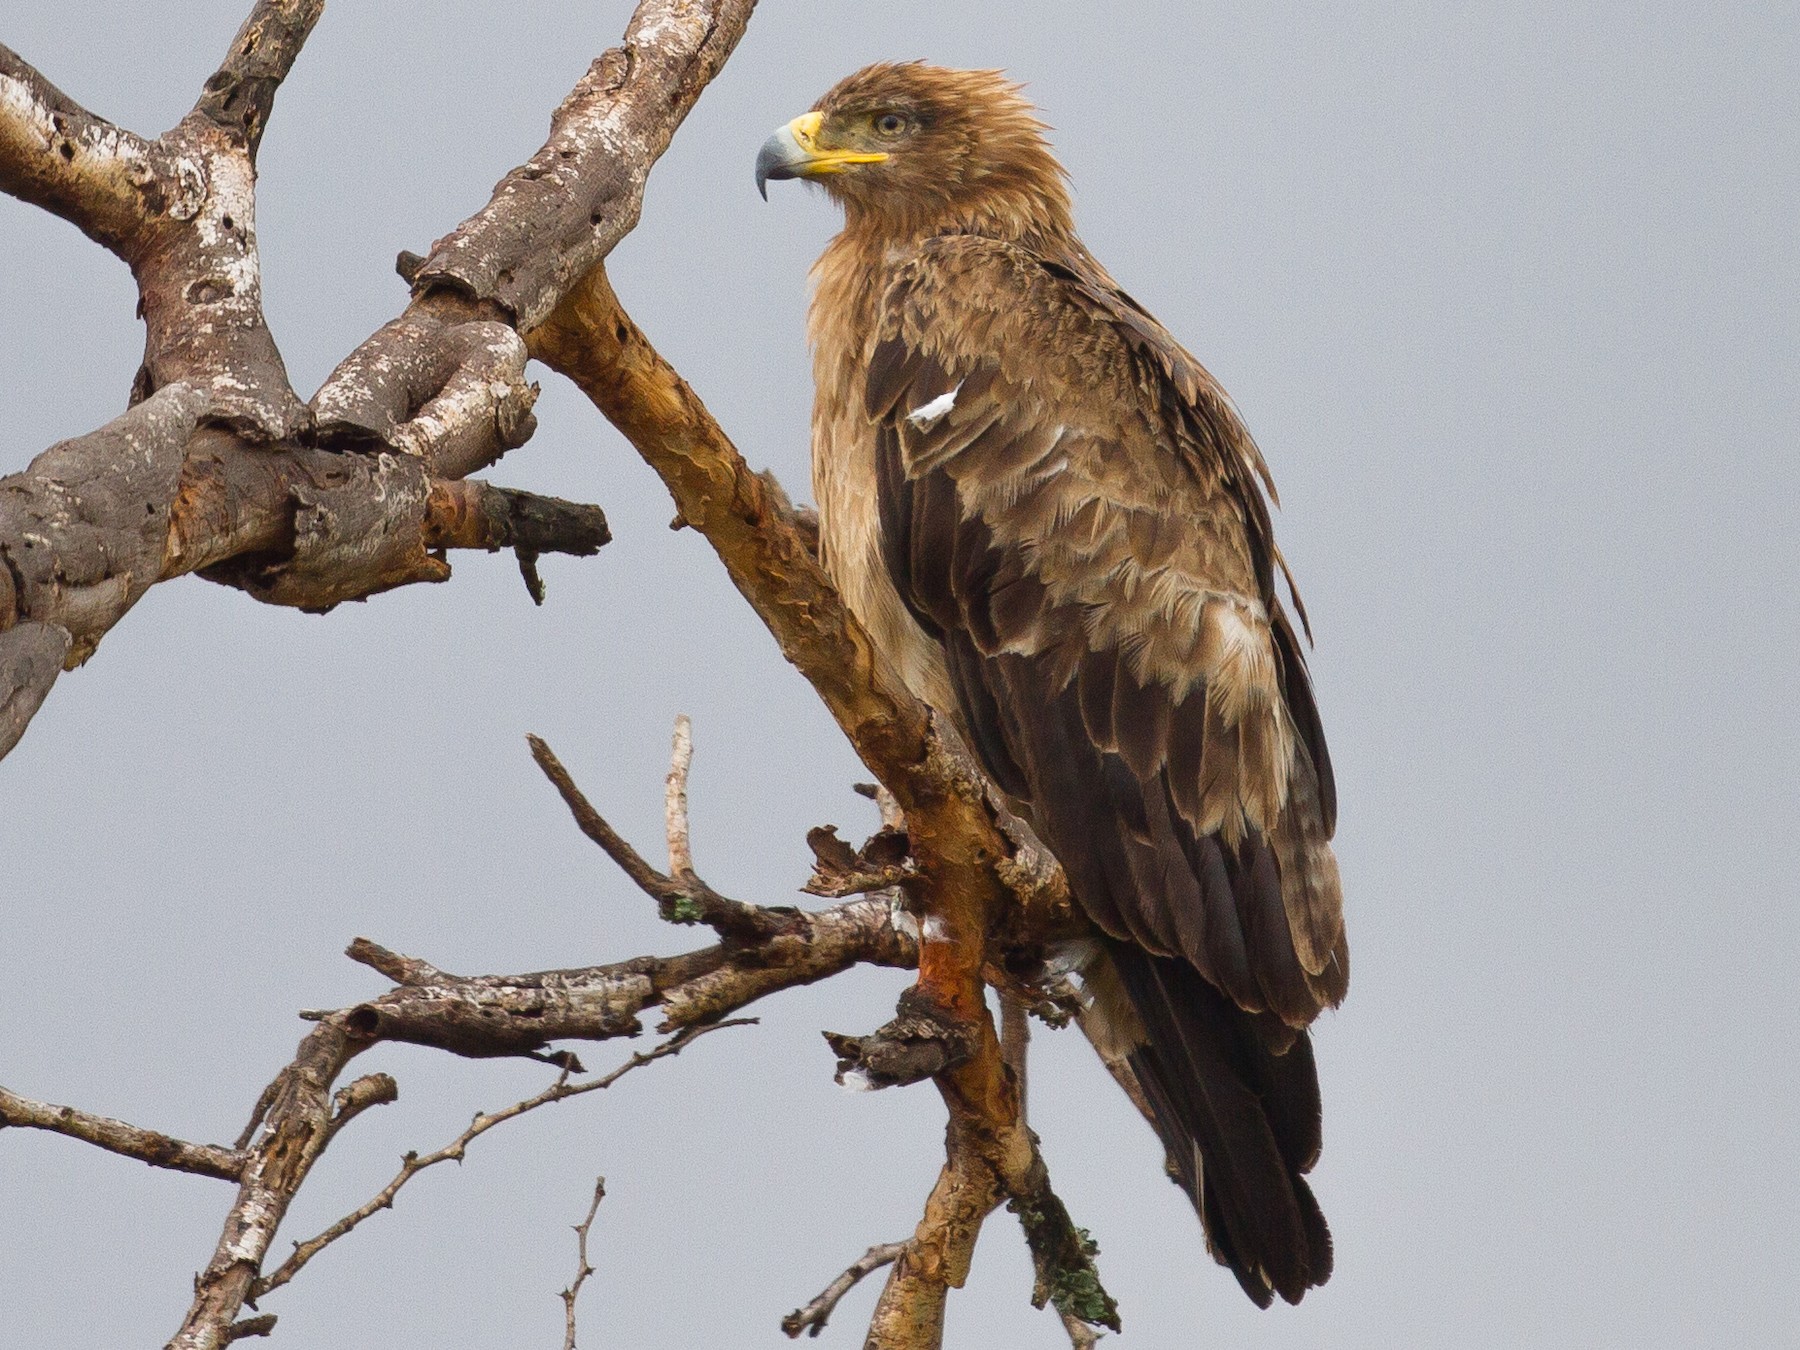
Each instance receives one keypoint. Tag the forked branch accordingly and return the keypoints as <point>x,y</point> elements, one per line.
<point>220,468</point>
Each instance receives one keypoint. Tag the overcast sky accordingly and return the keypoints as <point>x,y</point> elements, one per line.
<point>1509,296</point>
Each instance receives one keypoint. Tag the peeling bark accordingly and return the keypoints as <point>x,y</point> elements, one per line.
<point>219,467</point>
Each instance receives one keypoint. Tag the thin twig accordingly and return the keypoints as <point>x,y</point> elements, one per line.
<point>415,1163</point>
<point>582,1268</point>
<point>594,825</point>
<point>683,897</point>
<point>675,802</point>
<point>812,1318</point>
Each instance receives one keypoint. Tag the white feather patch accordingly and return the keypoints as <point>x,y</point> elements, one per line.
<point>926,413</point>
<point>855,1080</point>
<point>903,919</point>
<point>935,929</point>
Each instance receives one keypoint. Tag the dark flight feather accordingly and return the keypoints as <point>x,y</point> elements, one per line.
<point>1052,520</point>
<point>1128,676</point>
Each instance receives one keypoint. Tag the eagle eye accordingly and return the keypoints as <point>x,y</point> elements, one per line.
<point>890,124</point>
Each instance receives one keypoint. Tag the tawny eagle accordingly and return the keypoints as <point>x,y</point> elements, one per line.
<point>1049,516</point>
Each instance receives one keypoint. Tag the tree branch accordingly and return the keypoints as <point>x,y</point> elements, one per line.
<point>488,1016</point>
<point>115,1136</point>
<point>31,657</point>
<point>683,897</point>
<point>582,1268</point>
<point>223,475</point>
<point>414,1163</point>
<point>811,1318</point>
<point>496,1015</point>
<point>239,94</point>
<point>556,216</point>
<point>56,154</point>
<point>981,882</point>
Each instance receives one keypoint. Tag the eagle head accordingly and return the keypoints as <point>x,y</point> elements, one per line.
<point>911,147</point>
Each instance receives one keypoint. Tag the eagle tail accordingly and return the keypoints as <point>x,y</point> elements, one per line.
<point>1237,1105</point>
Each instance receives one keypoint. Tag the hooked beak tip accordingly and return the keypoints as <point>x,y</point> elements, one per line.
<point>780,157</point>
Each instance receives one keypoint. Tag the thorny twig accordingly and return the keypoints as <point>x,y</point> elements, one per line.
<point>582,1268</point>
<point>415,1163</point>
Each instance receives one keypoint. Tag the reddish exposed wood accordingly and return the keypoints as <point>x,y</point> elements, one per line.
<point>972,881</point>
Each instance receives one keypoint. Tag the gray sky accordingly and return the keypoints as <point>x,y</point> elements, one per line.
<point>1510,296</point>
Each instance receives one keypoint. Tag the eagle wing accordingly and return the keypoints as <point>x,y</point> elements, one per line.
<point>1071,508</point>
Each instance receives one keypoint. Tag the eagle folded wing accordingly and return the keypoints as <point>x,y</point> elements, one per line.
<point>1070,507</point>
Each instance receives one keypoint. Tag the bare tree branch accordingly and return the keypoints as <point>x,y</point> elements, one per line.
<point>239,94</point>
<point>115,1136</point>
<point>494,1015</point>
<point>415,1163</point>
<point>499,1015</point>
<point>980,881</point>
<point>582,1268</point>
<point>811,1317</point>
<point>261,1325</point>
<point>684,897</point>
<point>56,154</point>
<point>31,657</point>
<point>555,217</point>
<point>223,475</point>
<point>675,802</point>
<point>351,1100</point>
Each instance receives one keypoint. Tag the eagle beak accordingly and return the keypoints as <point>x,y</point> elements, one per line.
<point>795,152</point>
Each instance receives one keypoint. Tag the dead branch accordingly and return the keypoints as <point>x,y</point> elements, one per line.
<point>881,864</point>
<point>261,1325</point>
<point>221,468</point>
<point>56,154</point>
<point>811,1317</point>
<point>582,1268</point>
<point>31,657</point>
<point>496,1015</point>
<point>115,1136</point>
<point>682,897</point>
<point>979,881</point>
<point>675,802</point>
<point>414,1163</point>
<point>489,1016</point>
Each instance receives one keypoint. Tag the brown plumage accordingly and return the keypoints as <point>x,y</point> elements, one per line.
<point>1050,517</point>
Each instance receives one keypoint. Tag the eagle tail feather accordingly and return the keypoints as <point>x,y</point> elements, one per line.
<point>1239,1118</point>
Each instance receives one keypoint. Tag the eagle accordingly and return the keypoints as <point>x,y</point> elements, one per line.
<point>1053,522</point>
